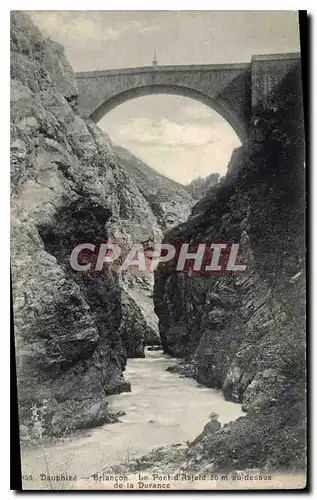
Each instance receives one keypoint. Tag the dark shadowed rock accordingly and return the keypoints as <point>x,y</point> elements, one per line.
<point>245,333</point>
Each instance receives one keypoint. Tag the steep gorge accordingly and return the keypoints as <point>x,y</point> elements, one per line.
<point>74,331</point>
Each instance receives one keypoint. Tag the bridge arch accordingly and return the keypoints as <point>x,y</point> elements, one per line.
<point>145,90</point>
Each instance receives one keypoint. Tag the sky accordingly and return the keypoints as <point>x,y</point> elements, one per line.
<point>177,136</point>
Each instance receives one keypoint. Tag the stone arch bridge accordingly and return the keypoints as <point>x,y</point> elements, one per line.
<point>230,89</point>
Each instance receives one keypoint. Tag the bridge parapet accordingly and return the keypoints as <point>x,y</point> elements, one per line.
<point>151,69</point>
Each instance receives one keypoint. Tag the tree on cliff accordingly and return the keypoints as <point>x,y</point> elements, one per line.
<point>199,186</point>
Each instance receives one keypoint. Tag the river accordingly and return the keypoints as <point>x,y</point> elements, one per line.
<point>163,408</point>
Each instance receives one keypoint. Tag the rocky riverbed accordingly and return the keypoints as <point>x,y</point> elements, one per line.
<point>162,409</point>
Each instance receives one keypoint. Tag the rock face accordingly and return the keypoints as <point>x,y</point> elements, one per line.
<point>170,202</point>
<point>73,330</point>
<point>245,333</point>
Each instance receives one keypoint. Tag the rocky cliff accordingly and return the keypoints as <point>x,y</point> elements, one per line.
<point>170,201</point>
<point>171,204</point>
<point>245,333</point>
<point>73,330</point>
